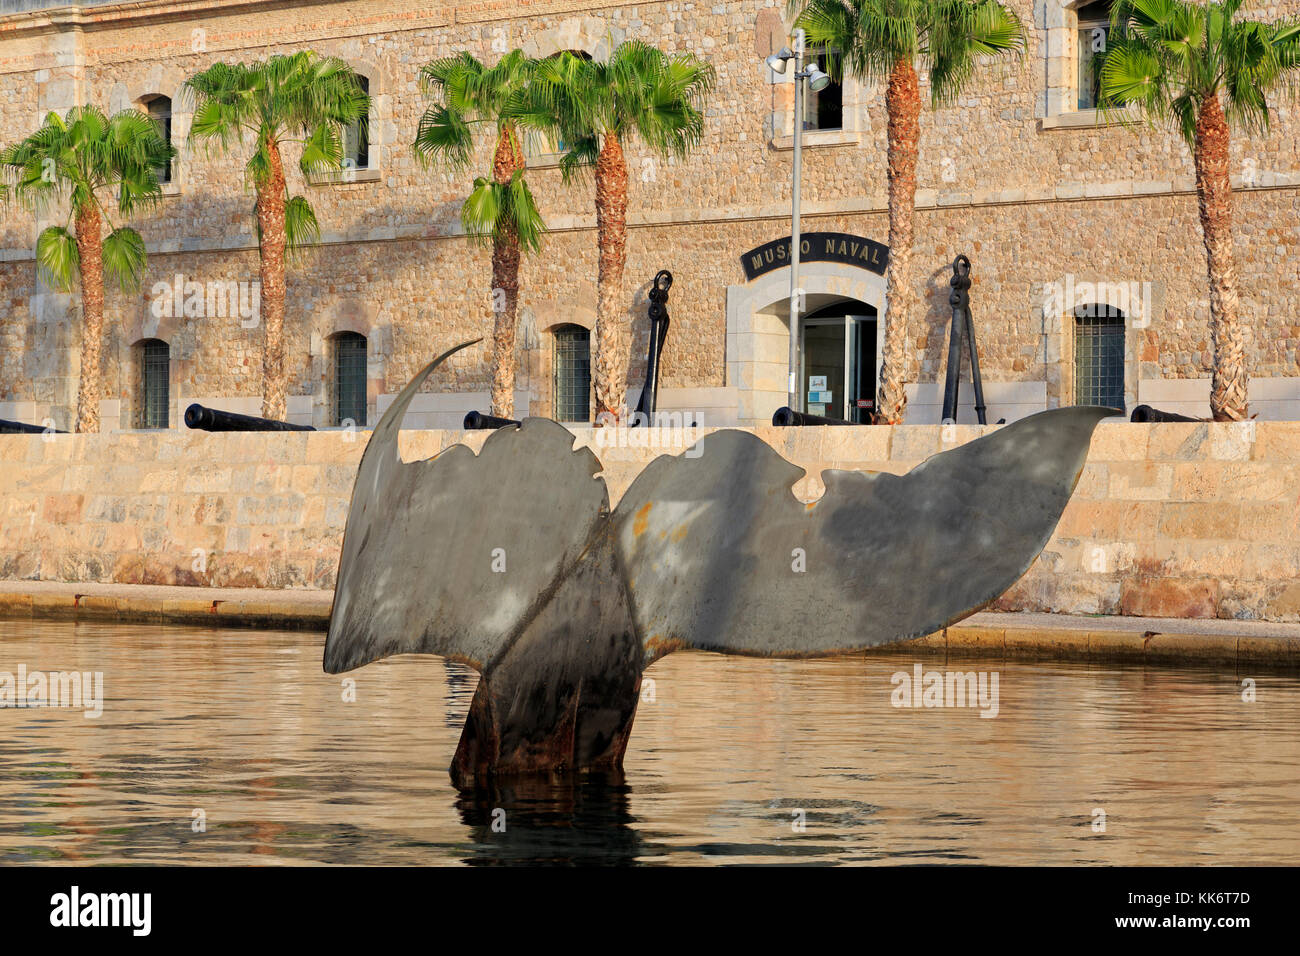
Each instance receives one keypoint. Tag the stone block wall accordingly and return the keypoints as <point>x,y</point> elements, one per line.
<point>1031,201</point>
<point>1196,520</point>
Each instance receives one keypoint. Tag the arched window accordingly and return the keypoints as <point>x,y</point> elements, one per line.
<point>159,109</point>
<point>1099,356</point>
<point>348,380</point>
<point>356,137</point>
<point>572,374</point>
<point>153,397</point>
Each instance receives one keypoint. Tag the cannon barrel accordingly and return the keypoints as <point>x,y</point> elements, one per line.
<point>785,415</point>
<point>475,421</point>
<point>1145,413</point>
<point>215,420</point>
<point>22,428</point>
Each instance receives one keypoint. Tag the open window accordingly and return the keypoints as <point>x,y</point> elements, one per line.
<point>159,109</point>
<point>356,136</point>
<point>824,109</point>
<point>1093,33</point>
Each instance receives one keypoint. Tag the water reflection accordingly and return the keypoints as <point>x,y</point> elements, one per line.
<point>561,819</point>
<point>234,747</point>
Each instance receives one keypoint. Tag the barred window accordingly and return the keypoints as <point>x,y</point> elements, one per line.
<point>153,397</point>
<point>348,388</point>
<point>1099,356</point>
<point>572,374</point>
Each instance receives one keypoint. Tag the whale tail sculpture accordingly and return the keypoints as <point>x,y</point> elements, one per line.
<point>512,562</point>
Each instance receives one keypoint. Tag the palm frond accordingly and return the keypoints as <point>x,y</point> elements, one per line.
<point>300,226</point>
<point>124,258</point>
<point>322,151</point>
<point>1171,56</point>
<point>58,261</point>
<point>283,95</point>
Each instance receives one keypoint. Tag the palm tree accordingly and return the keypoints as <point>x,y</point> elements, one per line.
<point>884,40</point>
<point>594,108</point>
<point>301,98</point>
<point>1195,66</point>
<point>96,162</point>
<point>500,211</point>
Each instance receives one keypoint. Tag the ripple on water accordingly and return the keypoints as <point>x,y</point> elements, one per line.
<point>736,760</point>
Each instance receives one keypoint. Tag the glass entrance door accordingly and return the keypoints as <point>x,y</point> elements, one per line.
<point>839,366</point>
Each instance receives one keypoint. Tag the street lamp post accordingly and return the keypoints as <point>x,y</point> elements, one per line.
<point>816,81</point>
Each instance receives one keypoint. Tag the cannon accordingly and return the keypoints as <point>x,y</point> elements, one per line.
<point>477,421</point>
<point>1145,413</point>
<point>785,415</point>
<point>22,428</point>
<point>215,420</point>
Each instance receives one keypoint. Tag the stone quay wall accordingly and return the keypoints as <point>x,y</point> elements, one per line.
<point>1168,520</point>
<point>1038,194</point>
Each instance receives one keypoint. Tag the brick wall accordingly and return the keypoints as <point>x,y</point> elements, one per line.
<point>1197,520</point>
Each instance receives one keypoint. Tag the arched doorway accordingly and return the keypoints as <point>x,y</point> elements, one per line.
<point>842,306</point>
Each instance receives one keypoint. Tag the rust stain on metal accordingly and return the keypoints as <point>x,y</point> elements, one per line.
<point>642,520</point>
<point>658,646</point>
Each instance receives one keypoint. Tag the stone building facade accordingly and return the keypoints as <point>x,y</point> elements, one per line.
<point>1057,207</point>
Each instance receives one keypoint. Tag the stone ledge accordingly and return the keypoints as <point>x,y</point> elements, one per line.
<point>990,635</point>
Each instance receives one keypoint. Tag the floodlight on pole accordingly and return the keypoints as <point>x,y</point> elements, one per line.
<point>777,62</point>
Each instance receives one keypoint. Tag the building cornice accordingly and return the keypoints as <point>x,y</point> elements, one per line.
<point>72,16</point>
<point>135,13</point>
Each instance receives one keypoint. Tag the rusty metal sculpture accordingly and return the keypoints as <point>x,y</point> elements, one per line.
<point>512,562</point>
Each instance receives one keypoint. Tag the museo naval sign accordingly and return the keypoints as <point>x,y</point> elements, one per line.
<point>817,247</point>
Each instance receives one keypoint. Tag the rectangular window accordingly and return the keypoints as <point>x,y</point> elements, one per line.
<point>1094,31</point>
<point>572,375</point>
<point>824,109</point>
<point>356,138</point>
<point>1099,358</point>
<point>160,110</point>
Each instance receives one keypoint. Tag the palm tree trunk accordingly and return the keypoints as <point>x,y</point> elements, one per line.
<point>1228,400</point>
<point>609,364</point>
<point>270,220</point>
<point>90,252</point>
<point>509,158</point>
<point>903,108</point>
